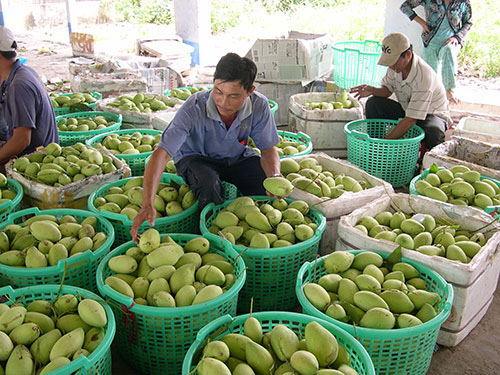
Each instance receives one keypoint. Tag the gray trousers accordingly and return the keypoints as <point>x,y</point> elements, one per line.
<point>384,108</point>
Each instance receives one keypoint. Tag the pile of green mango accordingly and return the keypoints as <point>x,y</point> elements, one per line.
<point>160,272</point>
<point>43,240</point>
<point>66,101</point>
<point>420,232</point>
<point>5,192</point>
<point>459,185</point>
<point>342,102</point>
<point>59,166</point>
<point>171,198</point>
<point>366,290</point>
<point>307,174</point>
<point>264,224</point>
<point>43,336</point>
<point>144,103</point>
<point>284,147</point>
<point>128,144</point>
<point>183,93</point>
<point>75,124</point>
<point>278,351</point>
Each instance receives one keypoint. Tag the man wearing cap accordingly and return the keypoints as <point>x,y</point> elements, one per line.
<point>421,97</point>
<point>25,104</point>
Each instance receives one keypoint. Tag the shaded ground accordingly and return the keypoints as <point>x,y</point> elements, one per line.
<point>48,53</point>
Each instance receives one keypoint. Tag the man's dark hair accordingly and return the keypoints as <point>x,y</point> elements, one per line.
<point>403,54</point>
<point>233,67</point>
<point>9,54</point>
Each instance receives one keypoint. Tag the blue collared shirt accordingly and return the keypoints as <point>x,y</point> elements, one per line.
<point>197,129</point>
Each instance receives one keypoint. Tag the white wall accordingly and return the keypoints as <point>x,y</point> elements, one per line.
<point>397,21</point>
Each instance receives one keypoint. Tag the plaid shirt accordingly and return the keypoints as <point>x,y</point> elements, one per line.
<point>458,12</point>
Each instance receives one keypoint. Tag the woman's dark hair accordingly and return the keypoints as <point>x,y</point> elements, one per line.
<point>233,67</point>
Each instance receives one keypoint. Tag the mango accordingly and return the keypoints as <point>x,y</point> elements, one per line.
<point>45,230</point>
<point>122,264</point>
<point>378,318</point>
<point>278,186</point>
<point>398,301</point>
<point>212,366</point>
<point>207,293</point>
<point>20,362</point>
<point>120,286</point>
<point>461,189</point>
<point>338,261</point>
<point>284,342</point>
<point>304,362</point>
<point>12,318</point>
<point>367,282</point>
<point>54,365</point>
<point>6,346</point>
<point>408,320</point>
<point>149,240</point>
<point>317,295</point>
<point>361,260</point>
<point>421,297</point>
<point>92,313</point>
<point>367,300</point>
<point>322,343</point>
<point>426,313</point>
<point>168,254</point>
<point>68,344</point>
<point>253,329</point>
<point>198,245</point>
<point>236,344</point>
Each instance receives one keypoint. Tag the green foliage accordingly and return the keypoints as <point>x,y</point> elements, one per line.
<point>143,11</point>
<point>224,15</point>
<point>481,53</point>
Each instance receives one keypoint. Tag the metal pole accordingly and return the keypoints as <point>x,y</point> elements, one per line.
<point>71,21</point>
<point>2,22</point>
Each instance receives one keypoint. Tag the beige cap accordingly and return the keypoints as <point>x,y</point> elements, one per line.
<point>6,39</point>
<point>393,46</point>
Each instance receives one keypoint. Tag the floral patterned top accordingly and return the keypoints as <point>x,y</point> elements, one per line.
<point>458,12</point>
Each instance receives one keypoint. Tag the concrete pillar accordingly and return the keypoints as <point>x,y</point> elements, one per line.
<point>192,24</point>
<point>397,21</point>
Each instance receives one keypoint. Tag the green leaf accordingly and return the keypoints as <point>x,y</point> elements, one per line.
<point>353,312</point>
<point>395,256</point>
<point>80,107</point>
<point>434,168</point>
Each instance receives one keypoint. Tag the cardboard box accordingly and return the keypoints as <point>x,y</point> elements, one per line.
<point>299,58</point>
<point>280,93</point>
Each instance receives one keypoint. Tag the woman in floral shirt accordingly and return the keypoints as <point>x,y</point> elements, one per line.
<point>444,29</point>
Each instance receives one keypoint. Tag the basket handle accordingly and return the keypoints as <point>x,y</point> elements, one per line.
<point>305,136</point>
<point>6,290</point>
<point>205,212</point>
<point>28,211</point>
<point>365,136</point>
<point>300,275</point>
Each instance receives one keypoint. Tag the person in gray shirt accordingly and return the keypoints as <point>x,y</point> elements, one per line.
<point>26,106</point>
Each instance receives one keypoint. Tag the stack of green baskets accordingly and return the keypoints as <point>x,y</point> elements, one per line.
<point>78,270</point>
<point>393,351</point>
<point>11,205</point>
<point>271,272</point>
<point>297,137</point>
<point>355,63</point>
<point>360,361</point>
<point>68,138</point>
<point>155,339</point>
<point>64,110</point>
<point>99,361</point>
<point>393,160</point>
<point>136,162</point>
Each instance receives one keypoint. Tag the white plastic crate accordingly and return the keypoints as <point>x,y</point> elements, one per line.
<point>474,283</point>
<point>479,129</point>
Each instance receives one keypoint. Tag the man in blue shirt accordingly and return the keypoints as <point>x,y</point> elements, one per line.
<point>25,103</point>
<point>208,138</point>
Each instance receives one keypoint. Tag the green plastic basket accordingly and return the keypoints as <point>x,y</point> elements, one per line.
<point>271,272</point>
<point>355,63</point>
<point>80,269</point>
<point>183,222</point>
<point>393,160</point>
<point>492,210</point>
<point>10,206</point>
<point>155,339</point>
<point>273,105</point>
<point>136,162</point>
<point>393,351</point>
<point>360,360</point>
<point>68,138</point>
<point>297,137</point>
<point>99,361</point>
<point>64,110</point>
